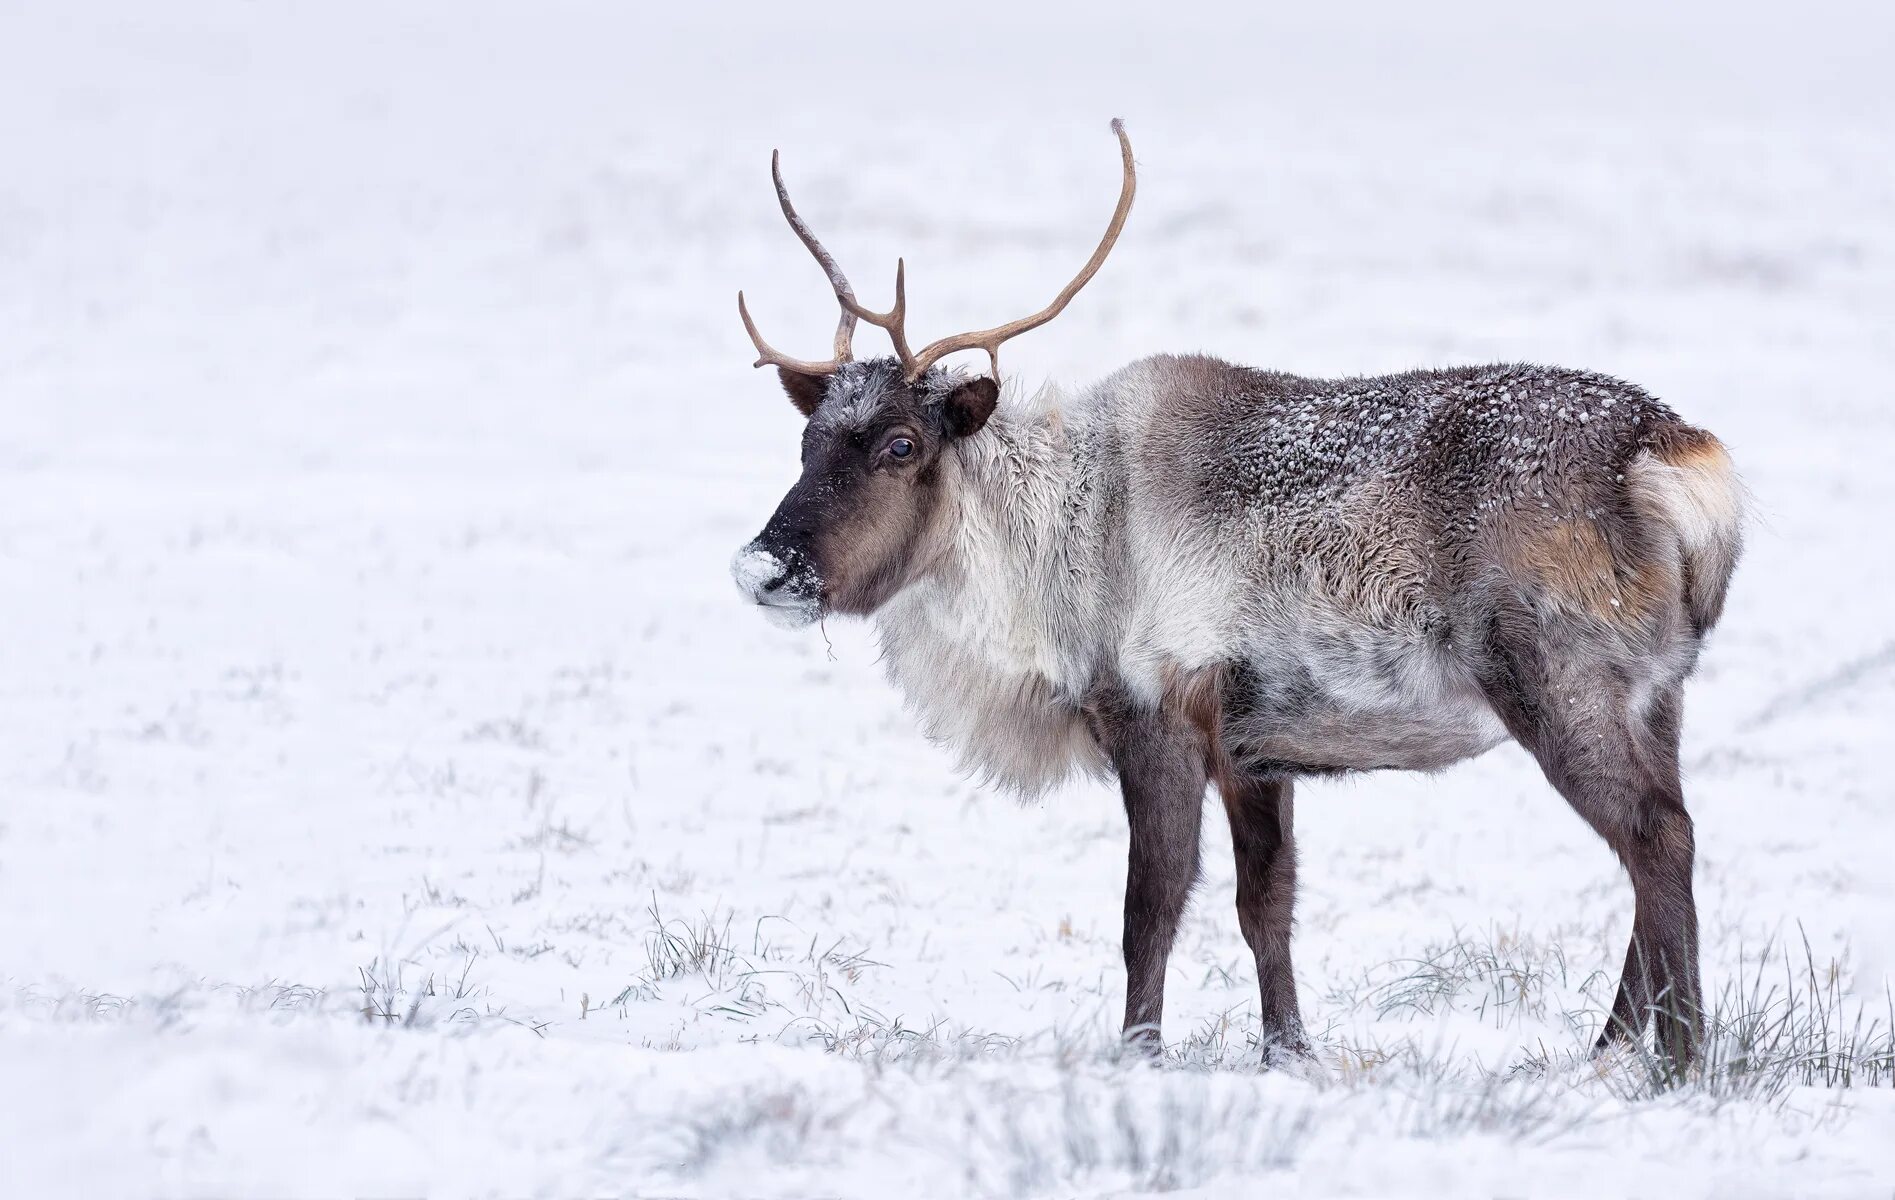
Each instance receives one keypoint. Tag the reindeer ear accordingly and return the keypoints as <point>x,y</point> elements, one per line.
<point>806,391</point>
<point>968,406</point>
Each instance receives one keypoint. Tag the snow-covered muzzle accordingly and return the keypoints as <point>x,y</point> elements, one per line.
<point>783,583</point>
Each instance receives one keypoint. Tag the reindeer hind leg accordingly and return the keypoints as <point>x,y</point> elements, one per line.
<point>1615,760</point>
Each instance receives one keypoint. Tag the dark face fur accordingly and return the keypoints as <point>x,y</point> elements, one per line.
<point>855,529</point>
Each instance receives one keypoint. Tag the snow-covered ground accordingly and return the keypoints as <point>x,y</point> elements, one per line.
<point>395,798</point>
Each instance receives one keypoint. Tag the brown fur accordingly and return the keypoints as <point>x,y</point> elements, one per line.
<point>1262,841</point>
<point>1572,560</point>
<point>1159,757</point>
<point>1681,445</point>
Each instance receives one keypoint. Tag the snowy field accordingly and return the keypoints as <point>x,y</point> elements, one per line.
<point>395,797</point>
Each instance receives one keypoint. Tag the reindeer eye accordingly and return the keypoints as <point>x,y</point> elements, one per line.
<point>900,448</point>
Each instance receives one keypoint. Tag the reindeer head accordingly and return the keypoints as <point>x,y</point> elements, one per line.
<point>863,521</point>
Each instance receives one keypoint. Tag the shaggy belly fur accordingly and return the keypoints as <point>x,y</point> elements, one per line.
<point>1295,711</point>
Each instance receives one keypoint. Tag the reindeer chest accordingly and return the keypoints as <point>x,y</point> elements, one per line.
<point>989,685</point>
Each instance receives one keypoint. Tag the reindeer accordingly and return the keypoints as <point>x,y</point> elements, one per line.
<point>1195,573</point>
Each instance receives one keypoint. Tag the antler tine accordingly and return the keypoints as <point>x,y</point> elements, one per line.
<point>768,356</point>
<point>894,321</point>
<point>845,326</point>
<point>990,339</point>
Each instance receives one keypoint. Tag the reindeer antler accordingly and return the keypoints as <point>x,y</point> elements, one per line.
<point>845,326</point>
<point>990,339</point>
<point>894,320</point>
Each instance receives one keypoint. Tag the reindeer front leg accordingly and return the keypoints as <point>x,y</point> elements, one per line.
<point>1160,762</point>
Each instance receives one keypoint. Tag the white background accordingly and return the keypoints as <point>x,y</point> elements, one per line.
<point>375,426</point>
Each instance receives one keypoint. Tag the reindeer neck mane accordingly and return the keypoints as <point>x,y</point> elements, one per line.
<point>995,647</point>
